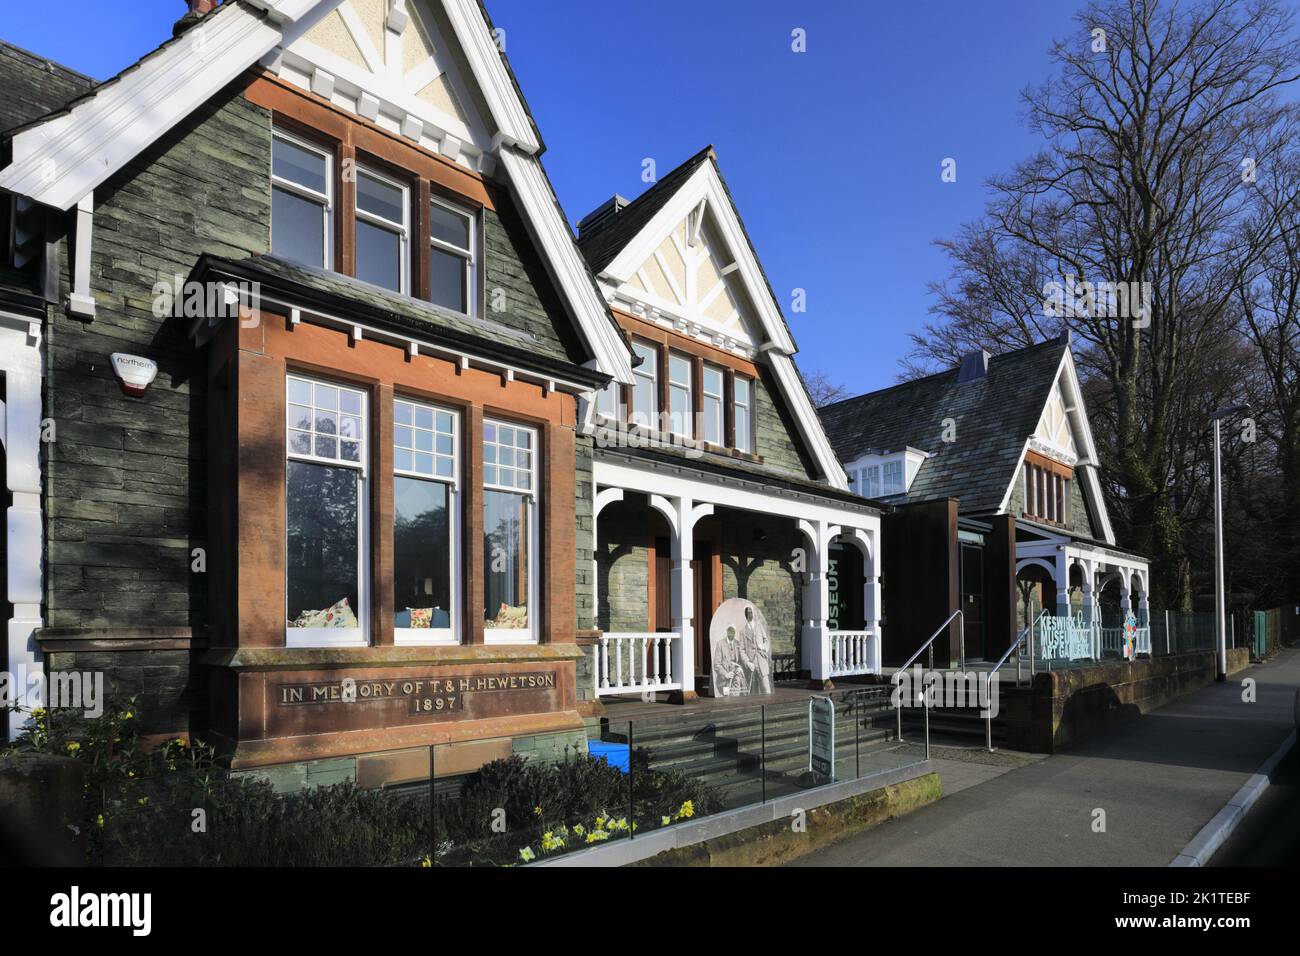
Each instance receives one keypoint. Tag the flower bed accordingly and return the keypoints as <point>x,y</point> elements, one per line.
<point>174,805</point>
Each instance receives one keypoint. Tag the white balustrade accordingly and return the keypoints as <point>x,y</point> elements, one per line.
<point>855,652</point>
<point>628,663</point>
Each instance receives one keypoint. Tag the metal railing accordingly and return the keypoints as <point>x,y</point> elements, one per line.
<point>925,698</point>
<point>1026,633</point>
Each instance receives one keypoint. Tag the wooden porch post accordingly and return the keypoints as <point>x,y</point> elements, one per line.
<point>683,593</point>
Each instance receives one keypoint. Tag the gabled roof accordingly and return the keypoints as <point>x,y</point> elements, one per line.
<point>617,246</point>
<point>61,159</point>
<point>994,416</point>
<point>601,243</point>
<point>34,86</point>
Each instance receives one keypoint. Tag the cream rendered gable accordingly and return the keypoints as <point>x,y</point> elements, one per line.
<point>390,62</point>
<point>1054,436</point>
<point>692,280</point>
<point>692,268</point>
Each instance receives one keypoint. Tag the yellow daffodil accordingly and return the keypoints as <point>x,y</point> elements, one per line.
<point>527,854</point>
<point>73,747</point>
<point>426,862</point>
<point>687,810</point>
<point>99,821</point>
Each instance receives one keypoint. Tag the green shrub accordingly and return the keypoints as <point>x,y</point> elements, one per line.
<point>174,805</point>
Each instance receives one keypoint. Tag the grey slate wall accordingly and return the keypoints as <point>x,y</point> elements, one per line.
<point>759,571</point>
<point>518,289</point>
<point>777,436</point>
<point>1081,522</point>
<point>125,476</point>
<point>623,568</point>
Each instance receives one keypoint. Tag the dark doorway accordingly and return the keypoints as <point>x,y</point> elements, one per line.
<point>844,588</point>
<point>973,600</point>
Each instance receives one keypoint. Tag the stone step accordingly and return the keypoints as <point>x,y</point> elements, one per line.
<point>791,757</point>
<point>654,730</point>
<point>700,756</point>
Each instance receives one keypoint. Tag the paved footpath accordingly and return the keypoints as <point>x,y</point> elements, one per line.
<point>1159,778</point>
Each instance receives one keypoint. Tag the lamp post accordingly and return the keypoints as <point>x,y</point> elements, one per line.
<point>1220,610</point>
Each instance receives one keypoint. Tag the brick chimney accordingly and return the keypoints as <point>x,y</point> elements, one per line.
<point>198,10</point>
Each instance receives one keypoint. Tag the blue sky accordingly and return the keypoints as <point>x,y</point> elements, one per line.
<point>833,155</point>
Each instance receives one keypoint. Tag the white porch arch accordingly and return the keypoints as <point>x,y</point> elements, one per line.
<point>684,496</point>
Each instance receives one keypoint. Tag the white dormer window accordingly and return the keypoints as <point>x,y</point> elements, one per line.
<point>892,478</point>
<point>871,481</point>
<point>886,474</point>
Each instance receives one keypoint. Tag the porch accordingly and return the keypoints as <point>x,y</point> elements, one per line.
<point>1081,601</point>
<point>672,544</point>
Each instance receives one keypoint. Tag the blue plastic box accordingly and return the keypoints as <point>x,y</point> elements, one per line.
<point>616,755</point>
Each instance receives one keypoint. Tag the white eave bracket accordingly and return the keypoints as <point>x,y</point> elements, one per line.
<point>81,300</point>
<point>398,16</point>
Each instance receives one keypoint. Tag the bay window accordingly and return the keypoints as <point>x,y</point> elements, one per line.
<point>425,523</point>
<point>712,404</point>
<point>451,257</point>
<point>645,388</point>
<point>301,201</point>
<point>743,410</point>
<point>509,533</point>
<point>325,499</point>
<point>680,402</point>
<point>382,230</point>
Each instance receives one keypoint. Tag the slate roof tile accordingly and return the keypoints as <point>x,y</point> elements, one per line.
<point>993,416</point>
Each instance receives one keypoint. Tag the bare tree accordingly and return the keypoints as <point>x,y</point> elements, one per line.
<point>1268,295</point>
<point>1134,208</point>
<point>823,391</point>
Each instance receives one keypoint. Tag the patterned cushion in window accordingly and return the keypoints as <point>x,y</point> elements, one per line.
<point>421,616</point>
<point>336,615</point>
<point>510,616</point>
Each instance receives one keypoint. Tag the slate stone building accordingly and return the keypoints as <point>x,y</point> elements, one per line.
<point>415,466</point>
<point>991,473</point>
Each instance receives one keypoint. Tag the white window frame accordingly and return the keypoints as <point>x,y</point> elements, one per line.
<point>607,402</point>
<point>333,636</point>
<point>403,229</point>
<point>685,429</point>
<point>646,373</point>
<point>871,482</point>
<point>720,398</point>
<point>325,199</point>
<point>427,636</point>
<point>470,255</point>
<point>743,410</point>
<point>517,635</point>
<point>887,489</point>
